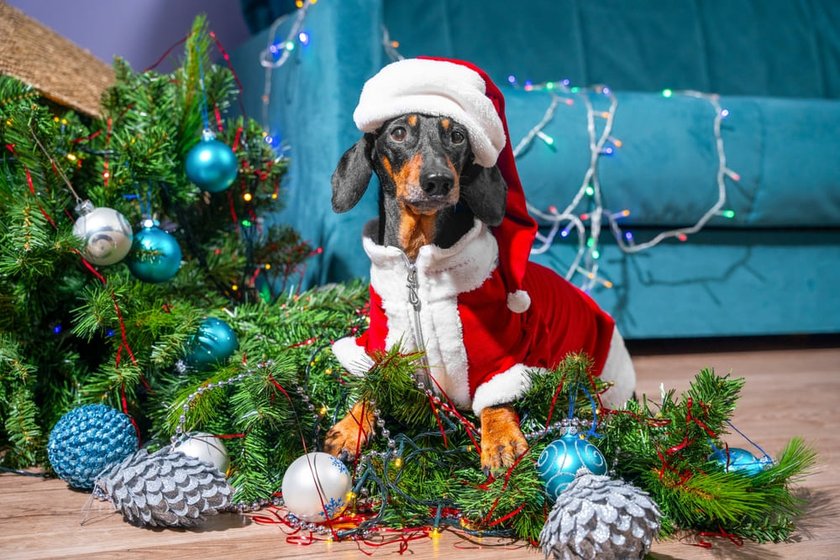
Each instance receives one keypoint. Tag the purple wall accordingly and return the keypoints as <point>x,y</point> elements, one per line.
<point>138,30</point>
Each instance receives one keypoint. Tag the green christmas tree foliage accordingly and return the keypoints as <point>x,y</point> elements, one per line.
<point>71,334</point>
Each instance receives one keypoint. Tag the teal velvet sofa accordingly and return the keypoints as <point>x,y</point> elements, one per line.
<point>771,269</point>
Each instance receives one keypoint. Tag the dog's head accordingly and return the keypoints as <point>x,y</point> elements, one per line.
<point>423,162</point>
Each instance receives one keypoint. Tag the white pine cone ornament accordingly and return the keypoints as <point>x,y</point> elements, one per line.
<point>164,489</point>
<point>597,517</point>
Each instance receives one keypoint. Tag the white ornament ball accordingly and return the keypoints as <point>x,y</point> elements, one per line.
<point>207,448</point>
<point>309,474</point>
<point>106,233</point>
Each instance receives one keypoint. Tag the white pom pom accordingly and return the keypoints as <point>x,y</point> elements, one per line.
<point>519,301</point>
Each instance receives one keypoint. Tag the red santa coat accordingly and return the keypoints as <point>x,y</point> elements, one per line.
<point>478,350</point>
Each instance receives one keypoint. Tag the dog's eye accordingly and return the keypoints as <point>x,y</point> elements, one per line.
<point>398,134</point>
<point>457,137</point>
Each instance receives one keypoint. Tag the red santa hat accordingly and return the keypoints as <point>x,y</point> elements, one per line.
<point>463,92</point>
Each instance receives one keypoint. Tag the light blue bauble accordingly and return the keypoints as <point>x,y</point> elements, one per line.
<point>740,460</point>
<point>563,458</point>
<point>214,342</point>
<point>87,440</point>
<point>211,165</point>
<point>155,255</point>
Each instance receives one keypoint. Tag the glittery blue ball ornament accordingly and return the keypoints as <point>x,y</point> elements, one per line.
<point>88,439</point>
<point>214,342</point>
<point>560,461</point>
<point>211,164</point>
<point>740,460</point>
<point>155,255</point>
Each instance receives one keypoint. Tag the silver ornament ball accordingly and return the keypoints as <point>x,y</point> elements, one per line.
<point>207,448</point>
<point>314,484</point>
<point>106,233</point>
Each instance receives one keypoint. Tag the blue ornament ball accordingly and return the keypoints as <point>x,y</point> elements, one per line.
<point>211,165</point>
<point>155,255</point>
<point>87,440</point>
<point>560,461</point>
<point>740,460</point>
<point>214,342</point>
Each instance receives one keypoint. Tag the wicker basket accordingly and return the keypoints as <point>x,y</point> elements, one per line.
<point>62,71</point>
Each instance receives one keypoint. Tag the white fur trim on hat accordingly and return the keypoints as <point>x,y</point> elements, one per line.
<point>434,87</point>
<point>519,301</point>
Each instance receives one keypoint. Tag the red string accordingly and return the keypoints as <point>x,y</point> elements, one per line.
<point>557,392</point>
<point>218,116</point>
<point>166,54</point>
<point>90,136</point>
<point>124,338</point>
<point>721,533</point>
<point>507,516</point>
<point>236,138</point>
<point>233,216</point>
<point>106,175</point>
<point>11,148</point>
<point>124,401</point>
<point>230,436</point>
<point>226,56</point>
<point>306,453</point>
<point>439,423</point>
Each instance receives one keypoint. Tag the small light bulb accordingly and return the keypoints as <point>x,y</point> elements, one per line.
<point>667,93</point>
<point>72,157</point>
<point>303,37</point>
<point>590,191</point>
<point>267,266</point>
<point>682,237</point>
<point>728,213</point>
<point>234,287</point>
<point>398,462</point>
<point>247,197</point>
<point>511,79</point>
<point>289,46</point>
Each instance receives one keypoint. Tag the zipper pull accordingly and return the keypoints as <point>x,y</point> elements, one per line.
<point>413,285</point>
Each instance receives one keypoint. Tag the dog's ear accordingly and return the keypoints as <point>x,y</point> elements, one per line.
<point>485,192</point>
<point>350,179</point>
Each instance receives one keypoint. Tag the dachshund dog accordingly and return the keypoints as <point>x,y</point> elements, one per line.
<point>436,206</point>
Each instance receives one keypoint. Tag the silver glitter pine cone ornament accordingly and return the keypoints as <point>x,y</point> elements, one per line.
<point>597,517</point>
<point>164,489</point>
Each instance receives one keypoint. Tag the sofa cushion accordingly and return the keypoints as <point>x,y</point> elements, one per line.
<point>665,170</point>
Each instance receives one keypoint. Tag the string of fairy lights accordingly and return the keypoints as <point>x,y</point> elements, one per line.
<point>585,214</point>
<point>584,218</point>
<point>588,223</point>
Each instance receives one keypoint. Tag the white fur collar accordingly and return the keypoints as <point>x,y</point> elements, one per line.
<point>451,271</point>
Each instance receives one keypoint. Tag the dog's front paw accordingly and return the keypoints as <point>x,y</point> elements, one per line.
<point>502,441</point>
<point>351,433</point>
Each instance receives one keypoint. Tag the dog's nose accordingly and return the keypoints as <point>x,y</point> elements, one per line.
<point>436,184</point>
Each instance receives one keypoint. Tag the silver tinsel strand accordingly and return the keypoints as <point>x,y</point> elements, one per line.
<point>601,518</point>
<point>164,489</point>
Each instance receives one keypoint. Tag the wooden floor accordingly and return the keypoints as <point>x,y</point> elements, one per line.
<point>789,392</point>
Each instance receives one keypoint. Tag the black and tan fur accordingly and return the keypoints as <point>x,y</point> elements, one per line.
<point>431,190</point>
